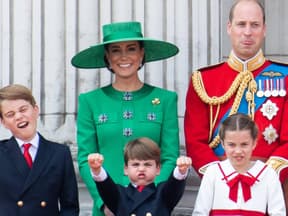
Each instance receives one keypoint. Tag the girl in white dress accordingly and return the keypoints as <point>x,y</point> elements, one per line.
<point>239,185</point>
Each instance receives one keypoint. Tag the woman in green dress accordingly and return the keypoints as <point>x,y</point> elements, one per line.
<point>111,116</point>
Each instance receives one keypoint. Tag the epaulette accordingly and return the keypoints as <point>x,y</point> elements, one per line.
<point>210,66</point>
<point>278,62</point>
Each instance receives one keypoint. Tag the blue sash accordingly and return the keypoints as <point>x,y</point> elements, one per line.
<point>283,69</point>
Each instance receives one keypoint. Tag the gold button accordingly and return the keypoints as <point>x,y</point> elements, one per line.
<point>133,214</point>
<point>20,203</point>
<point>148,214</point>
<point>43,204</point>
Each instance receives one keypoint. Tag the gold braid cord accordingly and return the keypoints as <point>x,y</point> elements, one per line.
<point>242,81</point>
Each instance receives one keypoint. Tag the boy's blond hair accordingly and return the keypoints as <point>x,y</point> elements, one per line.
<point>15,92</point>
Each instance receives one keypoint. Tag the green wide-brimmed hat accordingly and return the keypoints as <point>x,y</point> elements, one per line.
<point>93,57</point>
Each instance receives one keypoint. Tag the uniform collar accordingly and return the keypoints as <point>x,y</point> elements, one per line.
<point>251,64</point>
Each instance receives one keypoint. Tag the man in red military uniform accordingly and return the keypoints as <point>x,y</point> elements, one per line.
<point>246,83</point>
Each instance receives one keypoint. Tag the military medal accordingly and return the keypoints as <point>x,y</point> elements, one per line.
<point>275,89</point>
<point>270,134</point>
<point>269,109</point>
<point>267,92</point>
<point>282,91</point>
<point>260,92</point>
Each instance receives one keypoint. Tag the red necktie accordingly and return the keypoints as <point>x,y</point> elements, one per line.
<point>27,155</point>
<point>245,181</point>
<point>140,188</point>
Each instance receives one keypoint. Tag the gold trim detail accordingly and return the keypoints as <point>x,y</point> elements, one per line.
<point>242,81</point>
<point>277,163</point>
<point>250,65</point>
<point>203,169</point>
<point>272,74</point>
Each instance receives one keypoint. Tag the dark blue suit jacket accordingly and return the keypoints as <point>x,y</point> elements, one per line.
<point>126,201</point>
<point>48,189</point>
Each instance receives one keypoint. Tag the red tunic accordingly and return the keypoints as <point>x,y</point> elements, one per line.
<point>217,80</point>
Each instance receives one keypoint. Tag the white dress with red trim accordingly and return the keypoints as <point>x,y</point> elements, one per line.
<point>224,191</point>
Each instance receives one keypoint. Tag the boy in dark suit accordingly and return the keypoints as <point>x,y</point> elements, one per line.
<point>38,179</point>
<point>141,196</point>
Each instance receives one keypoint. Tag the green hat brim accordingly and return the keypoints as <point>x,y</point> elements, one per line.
<point>93,57</point>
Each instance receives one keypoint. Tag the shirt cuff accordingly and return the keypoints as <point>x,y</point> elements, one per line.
<point>178,175</point>
<point>101,176</point>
